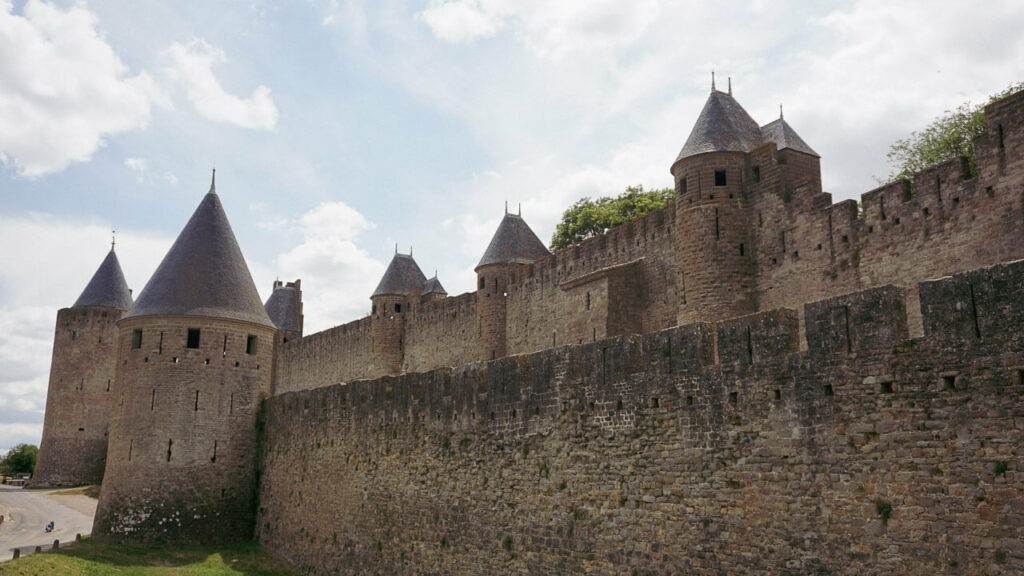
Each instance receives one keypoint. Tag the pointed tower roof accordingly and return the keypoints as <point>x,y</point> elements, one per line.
<point>107,287</point>
<point>433,286</point>
<point>282,308</point>
<point>784,136</point>
<point>723,126</point>
<point>514,241</point>
<point>402,277</point>
<point>204,273</point>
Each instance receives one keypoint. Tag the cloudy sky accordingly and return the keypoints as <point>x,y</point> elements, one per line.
<point>340,128</point>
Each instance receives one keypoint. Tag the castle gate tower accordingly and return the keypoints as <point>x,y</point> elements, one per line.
<point>513,244</point>
<point>194,362</point>
<point>713,242</point>
<point>82,393</point>
<point>398,290</point>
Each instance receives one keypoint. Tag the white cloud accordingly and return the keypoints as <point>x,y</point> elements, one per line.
<point>139,166</point>
<point>549,28</point>
<point>191,68</point>
<point>62,88</point>
<point>460,21</point>
<point>337,275</point>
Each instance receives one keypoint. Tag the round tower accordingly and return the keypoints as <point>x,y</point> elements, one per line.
<point>194,362</point>
<point>713,243</point>
<point>513,244</point>
<point>401,286</point>
<point>81,393</point>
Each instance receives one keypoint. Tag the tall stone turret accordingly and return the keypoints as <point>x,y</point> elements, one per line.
<point>712,222</point>
<point>513,244</point>
<point>194,363</point>
<point>401,286</point>
<point>82,393</point>
<point>284,307</point>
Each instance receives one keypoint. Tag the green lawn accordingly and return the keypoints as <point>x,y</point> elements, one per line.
<point>90,558</point>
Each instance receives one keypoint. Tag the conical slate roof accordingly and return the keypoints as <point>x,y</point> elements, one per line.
<point>203,274</point>
<point>403,276</point>
<point>433,286</point>
<point>281,308</point>
<point>723,126</point>
<point>784,136</point>
<point>514,241</point>
<point>107,287</point>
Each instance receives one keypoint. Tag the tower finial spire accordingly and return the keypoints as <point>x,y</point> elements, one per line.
<point>730,85</point>
<point>780,112</point>
<point>712,80</point>
<point>396,247</point>
<point>520,209</point>
<point>506,206</point>
<point>113,239</point>
<point>213,182</point>
<point>410,249</point>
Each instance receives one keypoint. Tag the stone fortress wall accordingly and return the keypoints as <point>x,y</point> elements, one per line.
<point>767,238</point>
<point>708,448</point>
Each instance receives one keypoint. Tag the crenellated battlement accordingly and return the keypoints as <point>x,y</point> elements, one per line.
<point>701,429</point>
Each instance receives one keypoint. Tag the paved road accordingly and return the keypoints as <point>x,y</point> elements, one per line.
<point>26,513</point>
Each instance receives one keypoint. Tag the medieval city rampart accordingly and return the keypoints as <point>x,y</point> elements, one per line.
<point>702,449</point>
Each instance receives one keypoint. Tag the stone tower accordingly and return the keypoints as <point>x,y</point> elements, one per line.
<point>713,244</point>
<point>82,392</point>
<point>284,307</point>
<point>194,362</point>
<point>513,244</point>
<point>401,286</point>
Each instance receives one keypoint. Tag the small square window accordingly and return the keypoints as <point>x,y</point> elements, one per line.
<point>250,344</point>
<point>193,338</point>
<point>720,178</point>
<point>136,339</point>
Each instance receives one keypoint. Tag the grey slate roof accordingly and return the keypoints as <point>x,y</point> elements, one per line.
<point>723,125</point>
<point>281,309</point>
<point>402,277</point>
<point>433,286</point>
<point>514,241</point>
<point>107,287</point>
<point>784,136</point>
<point>203,274</point>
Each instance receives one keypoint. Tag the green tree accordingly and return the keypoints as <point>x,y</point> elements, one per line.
<point>588,218</point>
<point>948,136</point>
<point>21,458</point>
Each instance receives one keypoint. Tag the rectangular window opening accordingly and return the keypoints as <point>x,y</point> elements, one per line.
<point>757,173</point>
<point>136,339</point>
<point>74,334</point>
<point>885,387</point>
<point>733,397</point>
<point>828,390</point>
<point>682,185</point>
<point>777,394</point>
<point>720,178</point>
<point>398,308</point>
<point>152,400</point>
<point>250,344</point>
<point>214,457</point>
<point>131,444</point>
<point>196,407</point>
<point>170,443</point>
<point>689,400</point>
<point>654,402</point>
<point>193,338</point>
<point>948,382</point>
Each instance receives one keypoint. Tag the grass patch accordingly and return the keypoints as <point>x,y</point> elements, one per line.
<point>90,491</point>
<point>91,558</point>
